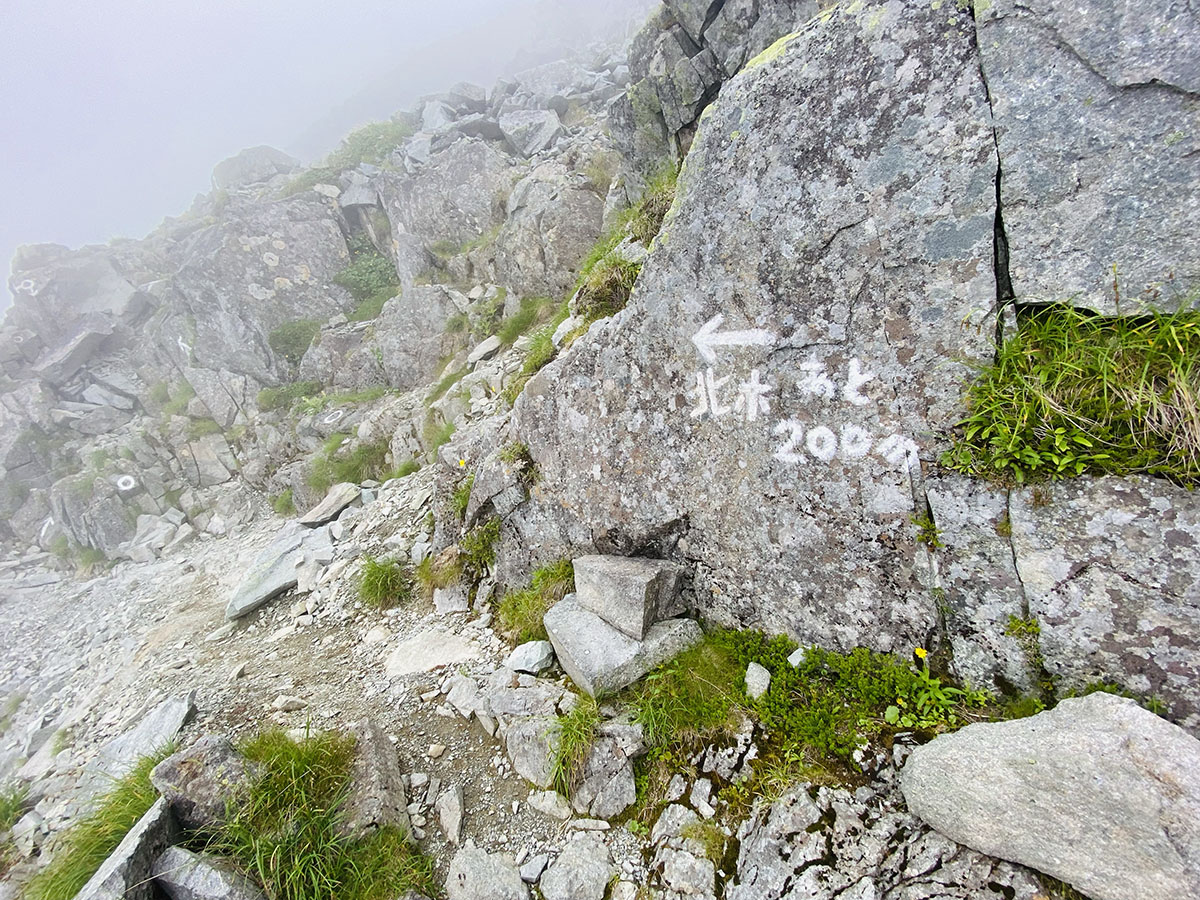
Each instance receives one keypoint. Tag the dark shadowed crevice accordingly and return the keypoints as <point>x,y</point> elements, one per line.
<point>714,10</point>
<point>1004,286</point>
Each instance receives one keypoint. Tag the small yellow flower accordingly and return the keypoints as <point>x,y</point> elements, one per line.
<point>462,463</point>
<point>921,652</point>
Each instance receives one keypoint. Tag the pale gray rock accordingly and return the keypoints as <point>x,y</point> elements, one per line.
<point>551,803</point>
<point>436,115</point>
<point>1088,98</point>
<point>449,808</point>
<point>606,785</point>
<point>377,795</point>
<point>451,599</point>
<point>791,483</point>
<point>532,657</point>
<point>477,875</point>
<point>530,131</point>
<point>125,875</point>
<point>499,488</point>
<point>345,359</point>
<point>601,659</point>
<point>410,334</point>
<point>834,844</point>
<point>93,513</point>
<point>581,872</point>
<point>515,694</point>
<point>428,650</point>
<point>532,870</point>
<point>758,680</point>
<point>464,696</point>
<point>486,349</point>
<point>1096,792</point>
<point>252,166</point>
<point>185,875</point>
<point>154,731</point>
<point>203,782</point>
<point>208,461</point>
<point>554,219</point>
<point>274,570</point>
<point>225,396</point>
<point>631,594</point>
<point>530,745</point>
<point>336,499</point>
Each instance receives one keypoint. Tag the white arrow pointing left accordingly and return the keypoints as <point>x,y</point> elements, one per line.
<point>707,338</point>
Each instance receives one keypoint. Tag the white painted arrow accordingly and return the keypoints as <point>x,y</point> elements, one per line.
<point>707,338</point>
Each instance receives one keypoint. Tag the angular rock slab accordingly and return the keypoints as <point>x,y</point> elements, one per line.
<point>429,650</point>
<point>599,658</point>
<point>338,498</point>
<point>275,569</point>
<point>125,875</point>
<point>1090,99</point>
<point>581,872</point>
<point>530,130</point>
<point>798,339</point>
<point>532,657</point>
<point>629,593</point>
<point>377,796</point>
<point>1096,792</point>
<point>152,733</point>
<point>204,781</point>
<point>477,875</point>
<point>185,875</point>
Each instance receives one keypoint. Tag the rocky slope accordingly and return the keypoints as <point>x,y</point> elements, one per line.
<point>871,195</point>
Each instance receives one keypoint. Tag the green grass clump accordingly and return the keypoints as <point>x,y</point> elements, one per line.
<point>370,307</point>
<point>646,218</point>
<point>181,395</point>
<point>448,381</point>
<point>434,435</point>
<point>12,805</point>
<point>332,465</point>
<point>88,843</point>
<point>286,835</point>
<point>198,428</point>
<point>520,613</point>
<point>517,455</point>
<point>576,734</point>
<point>1073,393</point>
<point>406,468</point>
<point>606,287</point>
<point>385,583</point>
<point>435,573</point>
<point>461,498</point>
<point>285,503</point>
<point>372,143</point>
<point>478,548</point>
<point>292,339</point>
<point>532,312</point>
<point>282,397</point>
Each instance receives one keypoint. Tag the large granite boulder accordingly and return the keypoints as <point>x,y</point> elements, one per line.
<point>1090,99</point>
<point>204,782</point>
<point>795,344</point>
<point>1097,792</point>
<point>554,218</point>
<point>251,166</point>
<point>264,264</point>
<point>410,334</point>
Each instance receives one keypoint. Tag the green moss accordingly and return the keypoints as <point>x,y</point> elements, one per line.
<point>406,468</point>
<point>448,381</point>
<point>181,395</point>
<point>284,396</point>
<point>284,504</point>
<point>772,52</point>
<point>370,276</point>
<point>198,428</point>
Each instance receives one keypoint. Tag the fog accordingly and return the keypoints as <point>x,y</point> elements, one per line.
<point>115,111</point>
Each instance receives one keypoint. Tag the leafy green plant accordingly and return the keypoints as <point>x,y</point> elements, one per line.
<point>384,583</point>
<point>434,573</point>
<point>516,454</point>
<point>287,834</point>
<point>533,311</point>
<point>88,843</point>
<point>332,465</point>
<point>368,276</point>
<point>478,548</point>
<point>406,468</point>
<point>292,339</point>
<point>927,531</point>
<point>576,733</point>
<point>461,498</point>
<point>285,503</point>
<point>448,381</point>
<point>1072,392</point>
<point>520,613</point>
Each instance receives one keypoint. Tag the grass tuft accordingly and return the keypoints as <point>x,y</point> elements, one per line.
<point>461,498</point>
<point>332,466</point>
<point>291,340</point>
<point>87,844</point>
<point>384,583</point>
<point>1072,393</point>
<point>520,613</point>
<point>478,548</point>
<point>576,734</point>
<point>284,396</point>
<point>285,503</point>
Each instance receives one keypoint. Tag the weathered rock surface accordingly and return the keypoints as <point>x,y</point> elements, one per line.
<point>1096,792</point>
<point>827,843</point>
<point>531,657</point>
<point>631,594</point>
<point>336,499</point>
<point>156,729</point>
<point>606,785</point>
<point>377,796</point>
<point>1104,86</point>
<point>203,782</point>
<point>185,875</point>
<point>410,334</point>
<point>581,872</point>
<point>449,808</point>
<point>601,659</point>
<point>251,166</point>
<point>796,341</point>
<point>429,650</point>
<point>530,745</point>
<point>477,875</point>
<point>125,875</point>
<point>275,568</point>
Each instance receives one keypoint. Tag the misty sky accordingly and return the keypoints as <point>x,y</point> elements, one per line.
<point>115,111</point>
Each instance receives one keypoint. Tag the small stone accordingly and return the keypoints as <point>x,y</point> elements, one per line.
<point>449,808</point>
<point>758,679</point>
<point>435,750</point>
<point>284,703</point>
<point>532,870</point>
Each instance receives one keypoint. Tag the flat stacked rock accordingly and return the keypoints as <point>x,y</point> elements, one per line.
<point>618,624</point>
